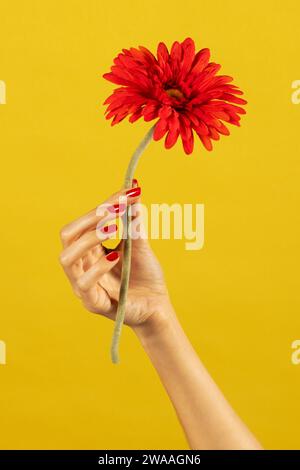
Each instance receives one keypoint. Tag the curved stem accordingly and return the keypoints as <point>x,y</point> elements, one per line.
<point>126,251</point>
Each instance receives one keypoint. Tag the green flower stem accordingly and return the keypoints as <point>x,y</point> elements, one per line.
<point>127,250</point>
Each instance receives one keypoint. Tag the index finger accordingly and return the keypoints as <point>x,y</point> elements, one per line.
<point>108,209</point>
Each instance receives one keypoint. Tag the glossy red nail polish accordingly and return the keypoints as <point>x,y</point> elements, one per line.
<point>133,192</point>
<point>112,256</point>
<point>109,228</point>
<point>117,208</point>
<point>135,182</point>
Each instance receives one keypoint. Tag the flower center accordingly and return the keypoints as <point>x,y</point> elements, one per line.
<point>174,93</point>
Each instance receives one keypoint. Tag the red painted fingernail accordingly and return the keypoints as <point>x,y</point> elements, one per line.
<point>112,256</point>
<point>135,182</point>
<point>109,228</point>
<point>117,208</point>
<point>134,192</point>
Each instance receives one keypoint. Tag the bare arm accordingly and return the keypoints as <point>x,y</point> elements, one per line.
<point>208,420</point>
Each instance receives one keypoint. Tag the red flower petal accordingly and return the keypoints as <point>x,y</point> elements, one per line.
<point>175,53</point>
<point>201,60</point>
<point>213,133</point>
<point>162,54</point>
<point>188,47</point>
<point>119,117</point>
<point>186,133</point>
<point>206,142</point>
<point>150,112</point>
<point>113,78</point>
<point>202,128</point>
<point>165,112</point>
<point>193,118</point>
<point>148,55</point>
<point>223,129</point>
<point>160,129</point>
<point>173,121</point>
<point>135,116</point>
<point>233,99</point>
<point>171,138</point>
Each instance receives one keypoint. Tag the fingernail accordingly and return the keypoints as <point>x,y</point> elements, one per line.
<point>117,208</point>
<point>133,192</point>
<point>135,182</point>
<point>109,228</point>
<point>112,256</point>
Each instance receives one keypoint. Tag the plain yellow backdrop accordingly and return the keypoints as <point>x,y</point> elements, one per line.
<point>237,298</point>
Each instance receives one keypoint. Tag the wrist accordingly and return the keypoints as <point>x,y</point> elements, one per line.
<point>157,323</point>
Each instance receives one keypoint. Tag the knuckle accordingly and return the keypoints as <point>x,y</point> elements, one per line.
<point>86,238</point>
<point>64,233</point>
<point>82,285</point>
<point>63,259</point>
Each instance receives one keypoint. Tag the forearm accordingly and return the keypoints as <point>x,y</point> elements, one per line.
<point>207,419</point>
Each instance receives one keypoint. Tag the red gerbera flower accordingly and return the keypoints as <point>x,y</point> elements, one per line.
<point>180,88</point>
<point>183,91</point>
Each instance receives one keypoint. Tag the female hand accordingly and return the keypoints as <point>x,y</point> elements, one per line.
<point>95,274</point>
<point>206,417</point>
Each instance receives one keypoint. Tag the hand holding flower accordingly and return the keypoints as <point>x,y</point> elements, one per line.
<point>95,276</point>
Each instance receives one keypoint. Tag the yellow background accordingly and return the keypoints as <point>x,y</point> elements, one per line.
<point>237,298</point>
